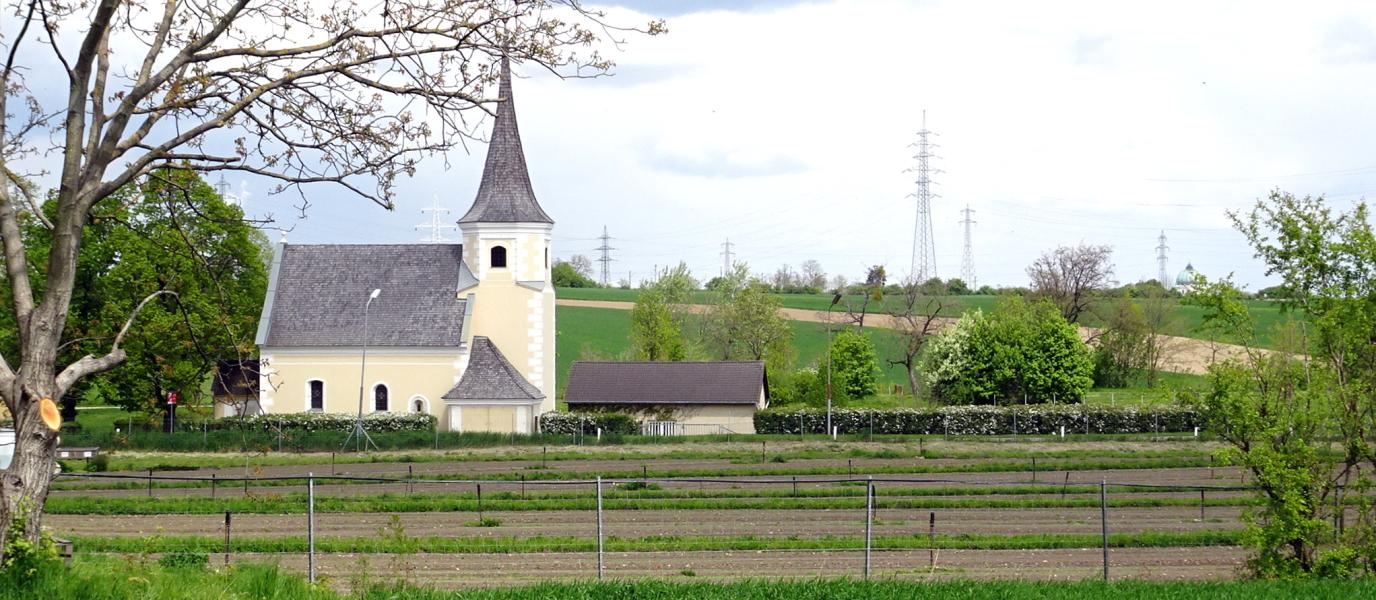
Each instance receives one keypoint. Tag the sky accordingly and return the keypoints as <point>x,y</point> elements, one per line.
<point>786,127</point>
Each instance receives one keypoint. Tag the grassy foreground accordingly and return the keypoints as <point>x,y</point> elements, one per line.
<point>114,579</point>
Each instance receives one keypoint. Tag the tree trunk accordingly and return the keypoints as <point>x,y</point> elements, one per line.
<point>24,485</point>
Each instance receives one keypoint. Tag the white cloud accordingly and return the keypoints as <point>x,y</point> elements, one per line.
<point>786,128</point>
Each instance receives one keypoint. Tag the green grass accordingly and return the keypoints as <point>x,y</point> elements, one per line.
<point>112,578</point>
<point>1077,496</point>
<point>400,544</point>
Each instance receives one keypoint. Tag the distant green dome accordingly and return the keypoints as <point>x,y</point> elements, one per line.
<point>1187,277</point>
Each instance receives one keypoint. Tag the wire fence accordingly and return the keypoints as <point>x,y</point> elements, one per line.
<point>481,531</point>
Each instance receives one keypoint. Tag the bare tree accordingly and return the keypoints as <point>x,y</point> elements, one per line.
<point>1161,318</point>
<point>1071,277</point>
<point>294,91</point>
<point>581,264</point>
<point>838,284</point>
<point>875,278</point>
<point>783,279</point>
<point>916,319</point>
<point>812,275</point>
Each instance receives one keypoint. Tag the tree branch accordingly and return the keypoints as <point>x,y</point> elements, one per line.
<point>90,365</point>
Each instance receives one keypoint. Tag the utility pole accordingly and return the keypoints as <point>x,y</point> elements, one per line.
<point>436,225</point>
<point>1161,249</point>
<point>726,254</point>
<point>606,258</point>
<point>924,243</point>
<point>967,261</point>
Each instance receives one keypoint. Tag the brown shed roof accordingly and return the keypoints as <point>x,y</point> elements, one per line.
<point>666,383</point>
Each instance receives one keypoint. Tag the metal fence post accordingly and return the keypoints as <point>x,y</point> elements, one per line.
<point>599,528</point>
<point>214,482</point>
<point>226,538</point>
<point>931,541</point>
<point>869,522</point>
<point>310,525</point>
<point>150,483</point>
<point>1103,519</point>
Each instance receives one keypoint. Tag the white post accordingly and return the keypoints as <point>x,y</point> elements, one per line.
<point>869,522</point>
<point>599,435</point>
<point>310,525</point>
<point>599,528</point>
<point>1196,431</point>
<point>1063,432</point>
<point>833,433</point>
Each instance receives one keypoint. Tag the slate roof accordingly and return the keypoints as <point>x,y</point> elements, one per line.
<point>490,376</point>
<point>321,290</point>
<point>505,194</point>
<point>665,383</point>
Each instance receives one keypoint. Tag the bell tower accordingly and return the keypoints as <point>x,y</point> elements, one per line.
<point>507,241</point>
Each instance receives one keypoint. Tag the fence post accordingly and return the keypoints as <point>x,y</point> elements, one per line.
<point>480,503</point>
<point>310,525</point>
<point>931,541</point>
<point>762,450</point>
<point>1034,469</point>
<point>523,486</point>
<point>226,538</point>
<point>849,471</point>
<point>599,528</point>
<point>1201,505</point>
<point>214,481</point>
<point>795,485</point>
<point>1103,519</point>
<point>869,522</point>
<point>150,483</point>
<point>410,478</point>
<point>332,464</point>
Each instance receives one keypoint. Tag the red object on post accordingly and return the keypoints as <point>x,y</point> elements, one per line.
<point>171,398</point>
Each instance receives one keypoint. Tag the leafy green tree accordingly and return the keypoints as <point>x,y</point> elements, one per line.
<point>855,364</point>
<point>655,334</point>
<point>175,234</point>
<point>1301,420</point>
<point>1122,351</point>
<point>1018,351</point>
<point>565,274</point>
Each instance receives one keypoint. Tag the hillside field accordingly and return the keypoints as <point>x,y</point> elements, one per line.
<point>1268,314</point>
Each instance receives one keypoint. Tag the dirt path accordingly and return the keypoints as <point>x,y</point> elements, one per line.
<point>1185,355</point>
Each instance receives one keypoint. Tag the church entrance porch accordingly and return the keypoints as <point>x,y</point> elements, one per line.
<point>490,417</point>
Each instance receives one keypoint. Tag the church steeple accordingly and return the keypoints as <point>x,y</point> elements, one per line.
<point>505,194</point>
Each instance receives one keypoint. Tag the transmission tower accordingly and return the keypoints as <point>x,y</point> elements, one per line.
<point>1161,249</point>
<point>726,255</point>
<point>606,258</point>
<point>436,224</point>
<point>967,261</point>
<point>924,243</point>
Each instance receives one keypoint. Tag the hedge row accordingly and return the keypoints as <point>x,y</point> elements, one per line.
<point>375,422</point>
<point>568,423</point>
<point>985,420</point>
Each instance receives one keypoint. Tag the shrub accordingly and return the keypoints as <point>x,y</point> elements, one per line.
<point>375,422</point>
<point>185,559</point>
<point>567,423</point>
<point>984,420</point>
<point>855,367</point>
<point>100,463</point>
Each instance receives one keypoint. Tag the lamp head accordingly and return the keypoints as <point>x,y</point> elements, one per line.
<point>836,299</point>
<point>374,295</point>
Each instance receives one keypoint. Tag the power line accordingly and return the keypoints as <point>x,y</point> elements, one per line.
<point>924,242</point>
<point>967,261</point>
<point>1161,249</point>
<point>606,258</point>
<point>436,225</point>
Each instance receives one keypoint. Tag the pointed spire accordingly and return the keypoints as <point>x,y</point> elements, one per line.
<point>505,194</point>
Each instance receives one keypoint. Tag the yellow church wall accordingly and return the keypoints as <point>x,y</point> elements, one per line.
<point>407,375</point>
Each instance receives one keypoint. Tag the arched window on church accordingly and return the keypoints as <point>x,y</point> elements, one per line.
<point>380,398</point>
<point>498,257</point>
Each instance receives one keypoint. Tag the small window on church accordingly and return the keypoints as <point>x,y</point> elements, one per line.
<point>546,257</point>
<point>498,257</point>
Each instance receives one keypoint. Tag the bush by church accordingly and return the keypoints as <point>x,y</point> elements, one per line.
<point>1041,419</point>
<point>374,422</point>
<point>565,423</point>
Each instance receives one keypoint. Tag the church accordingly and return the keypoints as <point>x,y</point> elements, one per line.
<point>464,332</point>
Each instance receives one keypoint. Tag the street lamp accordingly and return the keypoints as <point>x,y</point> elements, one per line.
<point>360,435</point>
<point>834,300</point>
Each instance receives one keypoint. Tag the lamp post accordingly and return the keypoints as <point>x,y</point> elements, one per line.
<point>834,300</point>
<point>360,435</point>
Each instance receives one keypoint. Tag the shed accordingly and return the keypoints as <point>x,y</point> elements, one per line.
<point>673,398</point>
